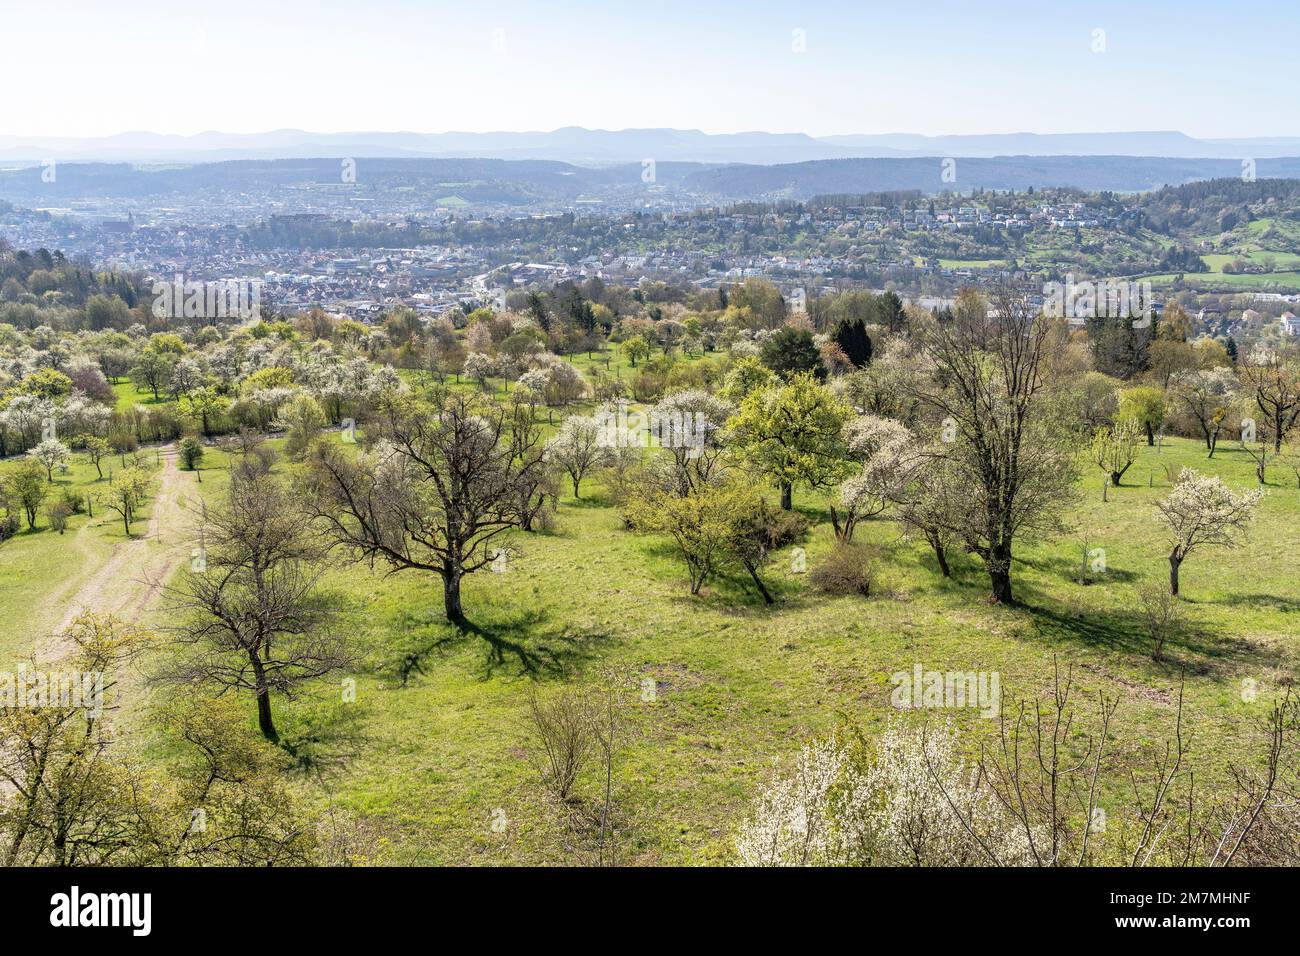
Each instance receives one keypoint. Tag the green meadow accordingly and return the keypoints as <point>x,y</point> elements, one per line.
<point>442,769</point>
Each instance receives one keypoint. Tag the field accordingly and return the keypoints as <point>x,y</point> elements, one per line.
<point>440,770</point>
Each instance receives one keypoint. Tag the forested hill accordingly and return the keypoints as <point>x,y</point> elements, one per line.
<point>525,182</point>
<point>1094,173</point>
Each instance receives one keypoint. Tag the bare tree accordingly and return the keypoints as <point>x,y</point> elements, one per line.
<point>250,611</point>
<point>438,489</point>
<point>999,433</point>
<point>1273,382</point>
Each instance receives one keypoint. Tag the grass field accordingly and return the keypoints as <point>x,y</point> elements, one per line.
<point>128,395</point>
<point>41,569</point>
<point>442,770</point>
<point>1238,282</point>
<point>739,686</point>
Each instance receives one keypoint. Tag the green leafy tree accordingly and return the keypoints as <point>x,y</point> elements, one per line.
<point>152,372</point>
<point>635,347</point>
<point>27,485</point>
<point>791,351</point>
<point>191,451</point>
<point>96,449</point>
<point>1144,404</point>
<point>791,434</point>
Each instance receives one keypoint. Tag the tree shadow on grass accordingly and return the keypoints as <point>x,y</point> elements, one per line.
<point>1197,648</point>
<point>592,499</point>
<point>1066,570</point>
<point>734,593</point>
<point>1271,602</point>
<point>519,644</point>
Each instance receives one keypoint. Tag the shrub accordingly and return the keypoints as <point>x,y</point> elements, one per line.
<point>565,729</point>
<point>784,527</point>
<point>191,451</point>
<point>913,802</point>
<point>850,568</point>
<point>73,501</point>
<point>58,514</point>
<point>1161,615</point>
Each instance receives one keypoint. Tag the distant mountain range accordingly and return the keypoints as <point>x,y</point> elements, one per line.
<point>609,147</point>
<point>523,183</point>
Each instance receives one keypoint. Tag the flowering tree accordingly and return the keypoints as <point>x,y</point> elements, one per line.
<point>50,453</point>
<point>1203,511</point>
<point>914,802</point>
<point>577,448</point>
<point>887,450</point>
<point>1207,395</point>
<point>479,366</point>
<point>689,426</point>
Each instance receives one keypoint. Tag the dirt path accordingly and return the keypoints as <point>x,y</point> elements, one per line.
<point>122,584</point>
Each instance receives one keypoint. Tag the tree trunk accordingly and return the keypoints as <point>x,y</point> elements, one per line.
<point>843,532</point>
<point>999,565</point>
<point>265,722</point>
<point>787,496</point>
<point>941,556</point>
<point>758,582</point>
<point>1175,563</point>
<point>451,597</point>
<point>1151,436</point>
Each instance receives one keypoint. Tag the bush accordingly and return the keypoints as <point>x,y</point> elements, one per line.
<point>73,501</point>
<point>58,514</point>
<point>1161,614</point>
<point>191,451</point>
<point>784,527</point>
<point>564,727</point>
<point>850,568</point>
<point>909,801</point>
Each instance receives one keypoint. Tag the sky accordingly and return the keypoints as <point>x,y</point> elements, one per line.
<point>1209,69</point>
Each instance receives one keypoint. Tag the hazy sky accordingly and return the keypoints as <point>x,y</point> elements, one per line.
<point>1217,68</point>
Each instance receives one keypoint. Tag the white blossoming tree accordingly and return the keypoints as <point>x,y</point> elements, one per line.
<point>51,453</point>
<point>915,802</point>
<point>479,367</point>
<point>887,451</point>
<point>577,448</point>
<point>1202,511</point>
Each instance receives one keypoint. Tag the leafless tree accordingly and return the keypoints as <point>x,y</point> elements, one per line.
<point>440,486</point>
<point>1001,436</point>
<point>250,613</point>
